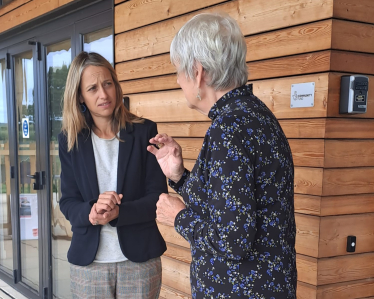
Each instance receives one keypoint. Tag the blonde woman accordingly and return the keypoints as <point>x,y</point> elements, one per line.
<point>110,185</point>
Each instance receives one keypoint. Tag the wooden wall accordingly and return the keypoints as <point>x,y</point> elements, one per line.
<point>289,41</point>
<point>19,12</point>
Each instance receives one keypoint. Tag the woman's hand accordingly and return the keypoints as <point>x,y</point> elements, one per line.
<point>168,208</point>
<point>102,219</point>
<point>169,156</point>
<point>107,201</point>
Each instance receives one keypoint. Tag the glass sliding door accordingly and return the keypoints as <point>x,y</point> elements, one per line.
<point>26,157</point>
<point>6,251</point>
<point>57,66</point>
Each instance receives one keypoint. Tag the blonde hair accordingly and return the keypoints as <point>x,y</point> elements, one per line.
<point>73,120</point>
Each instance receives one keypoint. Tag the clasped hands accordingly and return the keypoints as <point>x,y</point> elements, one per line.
<point>106,208</point>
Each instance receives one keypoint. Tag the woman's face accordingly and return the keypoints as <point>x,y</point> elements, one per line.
<point>98,91</point>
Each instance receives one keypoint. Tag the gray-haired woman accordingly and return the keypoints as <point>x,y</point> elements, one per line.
<point>238,214</point>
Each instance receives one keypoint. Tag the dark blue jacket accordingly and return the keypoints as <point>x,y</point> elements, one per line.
<point>139,179</point>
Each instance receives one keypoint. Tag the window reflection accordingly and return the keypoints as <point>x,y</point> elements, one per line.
<point>6,252</point>
<point>101,42</point>
<point>58,63</point>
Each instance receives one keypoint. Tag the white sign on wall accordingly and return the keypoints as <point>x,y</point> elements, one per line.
<point>28,211</point>
<point>302,95</point>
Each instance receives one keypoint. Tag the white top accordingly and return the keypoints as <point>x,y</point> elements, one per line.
<point>106,160</point>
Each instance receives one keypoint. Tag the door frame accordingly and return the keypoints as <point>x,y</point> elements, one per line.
<point>73,26</point>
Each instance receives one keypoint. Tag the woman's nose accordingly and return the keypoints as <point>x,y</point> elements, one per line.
<point>102,92</point>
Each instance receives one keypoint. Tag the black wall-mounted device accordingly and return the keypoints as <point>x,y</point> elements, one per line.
<point>353,94</point>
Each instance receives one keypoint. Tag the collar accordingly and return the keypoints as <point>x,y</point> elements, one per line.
<point>222,104</point>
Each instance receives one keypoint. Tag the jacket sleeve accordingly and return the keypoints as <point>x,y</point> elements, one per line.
<point>72,205</point>
<point>226,174</point>
<point>144,209</point>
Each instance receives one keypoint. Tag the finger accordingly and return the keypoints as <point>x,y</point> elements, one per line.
<point>120,197</point>
<point>153,150</point>
<point>116,196</point>
<point>106,204</point>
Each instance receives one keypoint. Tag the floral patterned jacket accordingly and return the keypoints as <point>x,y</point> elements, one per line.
<point>239,218</point>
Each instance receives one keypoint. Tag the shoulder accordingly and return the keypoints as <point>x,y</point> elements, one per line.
<point>147,128</point>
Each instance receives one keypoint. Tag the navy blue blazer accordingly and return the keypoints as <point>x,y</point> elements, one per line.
<point>139,179</point>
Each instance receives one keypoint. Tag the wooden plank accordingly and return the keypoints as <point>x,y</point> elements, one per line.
<point>150,84</point>
<point>29,11</point>
<point>307,204</point>
<point>347,290</point>
<point>315,62</point>
<point>184,129</point>
<point>334,231</point>
<point>306,269</point>
<point>361,11</point>
<point>308,180</point>
<point>351,62</point>
<point>146,67</point>
<point>137,13</point>
<point>307,234</point>
<point>347,204</point>
<point>304,128</point>
<point>12,6</point>
<point>156,39</point>
<point>119,1</point>
<point>334,96</point>
<point>190,146</point>
<point>345,268</point>
<point>293,128</point>
<point>306,291</point>
<point>170,106</point>
<point>176,274</point>
<point>164,107</point>
<point>178,253</point>
<point>352,36</point>
<point>344,181</point>
<point>350,128</point>
<point>295,40</point>
<point>171,293</point>
<point>307,152</point>
<point>349,153</point>
<point>171,236</point>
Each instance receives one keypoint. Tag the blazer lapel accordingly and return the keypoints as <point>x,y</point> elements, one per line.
<point>124,153</point>
<point>86,152</point>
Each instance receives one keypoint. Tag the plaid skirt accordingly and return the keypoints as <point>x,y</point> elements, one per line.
<point>124,280</point>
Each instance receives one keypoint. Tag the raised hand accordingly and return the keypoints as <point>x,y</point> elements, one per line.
<point>168,155</point>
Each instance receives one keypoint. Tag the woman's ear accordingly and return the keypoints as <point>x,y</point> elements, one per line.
<point>81,100</point>
<point>199,73</point>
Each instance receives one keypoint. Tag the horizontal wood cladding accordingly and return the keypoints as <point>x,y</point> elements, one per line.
<point>156,39</point>
<point>327,271</point>
<point>327,236</point>
<point>12,5</point>
<point>170,106</point>
<point>322,35</point>
<point>137,13</point>
<point>171,293</point>
<point>361,11</point>
<point>176,274</point>
<point>156,73</point>
<point>345,290</point>
<point>28,11</point>
<point>252,16</point>
<point>330,128</point>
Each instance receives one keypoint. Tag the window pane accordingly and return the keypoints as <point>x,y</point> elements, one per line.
<point>6,252</point>
<point>101,42</point>
<point>58,63</point>
<point>28,201</point>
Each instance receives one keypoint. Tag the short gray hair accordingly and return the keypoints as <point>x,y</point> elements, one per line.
<point>216,42</point>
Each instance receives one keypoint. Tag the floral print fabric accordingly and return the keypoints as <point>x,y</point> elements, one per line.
<point>239,218</point>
